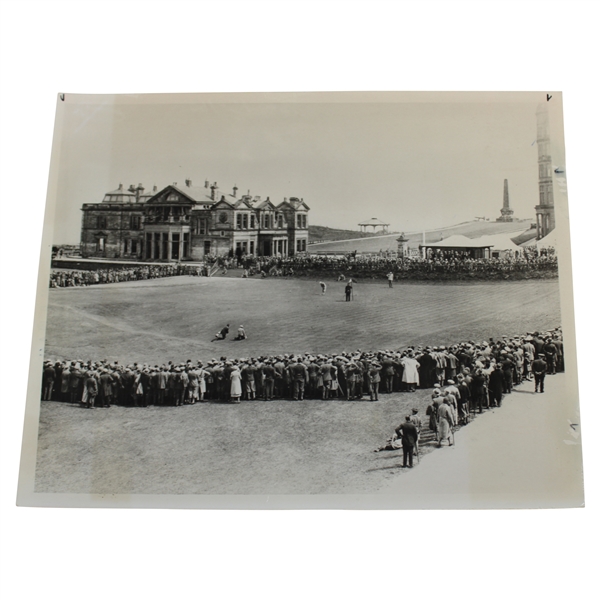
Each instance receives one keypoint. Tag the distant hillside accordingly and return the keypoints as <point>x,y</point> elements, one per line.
<point>318,233</point>
<point>471,229</point>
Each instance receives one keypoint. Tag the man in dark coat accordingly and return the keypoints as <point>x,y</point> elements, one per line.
<point>409,434</point>
<point>269,379</point>
<point>560,354</point>
<point>425,371</point>
<point>496,385</point>
<point>550,352</point>
<point>106,388</point>
<point>539,368</point>
<point>75,379</point>
<point>387,370</point>
<point>221,335</point>
<point>508,366</point>
<point>538,343</point>
<point>478,390</point>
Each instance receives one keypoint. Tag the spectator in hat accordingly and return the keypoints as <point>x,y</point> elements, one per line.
<point>374,380</point>
<point>445,422</point>
<point>415,419</point>
<point>409,435</point>
<point>235,390</point>
<point>539,368</point>
<point>496,385</point>
<point>91,389</point>
<point>550,353</point>
<point>410,372</point>
<point>48,380</point>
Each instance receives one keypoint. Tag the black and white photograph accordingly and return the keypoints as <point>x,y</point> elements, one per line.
<point>305,300</point>
<point>392,205</point>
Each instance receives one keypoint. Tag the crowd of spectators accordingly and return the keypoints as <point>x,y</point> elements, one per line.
<point>446,265</point>
<point>77,278</point>
<point>529,263</point>
<point>475,375</point>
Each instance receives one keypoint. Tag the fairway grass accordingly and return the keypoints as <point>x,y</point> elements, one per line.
<point>175,318</point>
<point>275,447</point>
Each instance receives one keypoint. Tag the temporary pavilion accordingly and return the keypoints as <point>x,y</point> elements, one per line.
<point>550,241</point>
<point>502,245</point>
<point>459,243</point>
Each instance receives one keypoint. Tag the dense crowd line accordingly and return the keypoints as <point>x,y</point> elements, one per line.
<point>454,265</point>
<point>529,263</point>
<point>467,377</point>
<point>112,275</point>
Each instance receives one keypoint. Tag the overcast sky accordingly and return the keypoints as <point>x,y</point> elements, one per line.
<point>415,164</point>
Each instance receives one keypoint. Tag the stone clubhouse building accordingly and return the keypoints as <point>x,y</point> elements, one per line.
<point>190,222</point>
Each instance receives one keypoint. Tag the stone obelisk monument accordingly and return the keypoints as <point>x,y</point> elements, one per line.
<point>506,211</point>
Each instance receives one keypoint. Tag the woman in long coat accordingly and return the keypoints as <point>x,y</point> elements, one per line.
<point>432,412</point>
<point>445,422</point>
<point>236,384</point>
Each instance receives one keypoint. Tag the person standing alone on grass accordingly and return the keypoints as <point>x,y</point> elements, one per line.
<point>323,287</point>
<point>539,368</point>
<point>390,278</point>
<point>408,432</point>
<point>348,290</point>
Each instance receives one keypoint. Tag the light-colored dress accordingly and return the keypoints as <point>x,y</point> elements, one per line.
<point>236,383</point>
<point>410,374</point>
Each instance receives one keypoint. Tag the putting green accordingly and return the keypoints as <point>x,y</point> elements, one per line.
<point>175,318</point>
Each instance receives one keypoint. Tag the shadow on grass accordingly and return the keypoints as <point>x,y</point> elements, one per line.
<point>398,466</point>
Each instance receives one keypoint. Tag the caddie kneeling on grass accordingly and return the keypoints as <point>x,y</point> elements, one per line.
<point>221,335</point>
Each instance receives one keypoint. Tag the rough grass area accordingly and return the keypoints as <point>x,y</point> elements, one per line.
<point>276,447</point>
<point>175,318</point>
